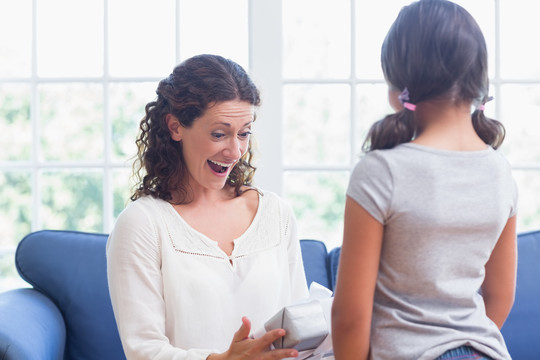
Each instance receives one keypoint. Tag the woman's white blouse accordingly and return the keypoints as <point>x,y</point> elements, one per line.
<point>177,295</point>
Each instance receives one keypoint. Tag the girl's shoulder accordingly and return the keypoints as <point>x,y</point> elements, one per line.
<point>376,162</point>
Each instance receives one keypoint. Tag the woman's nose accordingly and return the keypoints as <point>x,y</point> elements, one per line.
<point>233,149</point>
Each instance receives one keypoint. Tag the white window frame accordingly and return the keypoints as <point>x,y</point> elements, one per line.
<point>265,67</point>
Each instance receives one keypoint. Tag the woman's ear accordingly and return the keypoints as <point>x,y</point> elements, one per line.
<point>175,129</point>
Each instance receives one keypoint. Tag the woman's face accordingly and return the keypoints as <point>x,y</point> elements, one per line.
<point>215,142</point>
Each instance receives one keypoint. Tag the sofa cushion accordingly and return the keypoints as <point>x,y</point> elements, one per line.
<point>70,268</point>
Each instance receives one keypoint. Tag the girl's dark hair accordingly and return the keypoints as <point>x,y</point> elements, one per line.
<point>193,86</point>
<point>435,50</point>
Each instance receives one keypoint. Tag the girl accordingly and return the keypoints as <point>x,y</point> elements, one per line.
<point>428,262</point>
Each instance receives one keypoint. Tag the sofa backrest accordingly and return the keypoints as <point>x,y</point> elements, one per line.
<point>315,258</point>
<point>333,262</point>
<point>70,268</point>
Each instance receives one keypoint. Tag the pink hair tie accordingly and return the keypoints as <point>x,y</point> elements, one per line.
<point>482,107</point>
<point>404,100</point>
<point>409,106</point>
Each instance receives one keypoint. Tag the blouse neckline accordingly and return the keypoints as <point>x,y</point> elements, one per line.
<point>214,243</point>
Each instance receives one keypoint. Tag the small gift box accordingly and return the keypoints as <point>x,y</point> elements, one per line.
<point>307,324</point>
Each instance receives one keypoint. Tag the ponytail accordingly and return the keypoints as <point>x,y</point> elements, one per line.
<point>491,131</point>
<point>392,130</point>
<point>399,128</point>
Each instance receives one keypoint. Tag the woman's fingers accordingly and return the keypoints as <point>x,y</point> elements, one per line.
<point>267,339</point>
<point>264,342</point>
<point>243,347</point>
<point>279,354</point>
<point>243,332</point>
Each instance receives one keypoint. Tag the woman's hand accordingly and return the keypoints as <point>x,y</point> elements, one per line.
<point>244,348</point>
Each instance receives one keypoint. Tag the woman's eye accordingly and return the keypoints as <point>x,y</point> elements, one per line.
<point>217,135</point>
<point>245,134</point>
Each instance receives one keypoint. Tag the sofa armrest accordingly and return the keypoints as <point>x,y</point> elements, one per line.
<point>31,326</point>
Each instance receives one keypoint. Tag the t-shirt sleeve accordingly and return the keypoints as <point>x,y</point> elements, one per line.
<point>370,186</point>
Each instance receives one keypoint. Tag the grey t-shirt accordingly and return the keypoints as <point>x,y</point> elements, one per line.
<point>443,212</point>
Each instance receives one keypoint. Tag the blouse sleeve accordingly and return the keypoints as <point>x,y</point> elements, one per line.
<point>135,286</point>
<point>298,281</point>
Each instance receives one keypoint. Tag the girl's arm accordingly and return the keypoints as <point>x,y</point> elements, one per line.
<point>357,275</point>
<point>499,284</point>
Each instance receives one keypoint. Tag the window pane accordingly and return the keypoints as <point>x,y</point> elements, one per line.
<point>316,124</point>
<point>528,183</point>
<point>127,102</point>
<point>15,51</point>
<point>72,200</point>
<point>9,278</point>
<point>483,12</point>
<point>372,23</point>
<point>15,222</point>
<point>316,48</point>
<point>71,121</point>
<point>318,201</point>
<point>15,207</point>
<point>215,27</point>
<point>520,114</point>
<point>519,56</point>
<point>141,37</point>
<point>122,185</point>
<point>371,105</point>
<point>16,134</point>
<point>70,38</point>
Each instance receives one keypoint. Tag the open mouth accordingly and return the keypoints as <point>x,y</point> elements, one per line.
<point>218,167</point>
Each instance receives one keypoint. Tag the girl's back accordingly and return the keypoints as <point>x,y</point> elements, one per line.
<point>443,213</point>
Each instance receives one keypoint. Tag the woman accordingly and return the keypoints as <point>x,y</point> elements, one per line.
<point>201,257</point>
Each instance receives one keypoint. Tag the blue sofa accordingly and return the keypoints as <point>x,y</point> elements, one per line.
<point>68,315</point>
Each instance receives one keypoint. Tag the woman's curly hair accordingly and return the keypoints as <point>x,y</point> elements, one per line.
<point>193,86</point>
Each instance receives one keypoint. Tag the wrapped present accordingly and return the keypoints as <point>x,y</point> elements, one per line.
<point>307,324</point>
